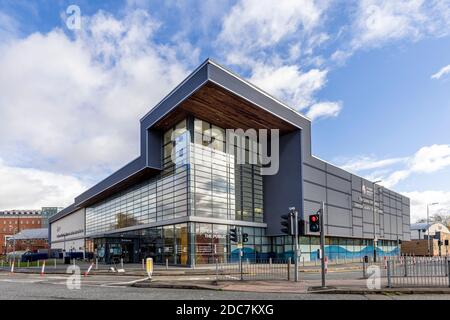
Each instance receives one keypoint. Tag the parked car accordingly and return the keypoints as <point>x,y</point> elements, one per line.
<point>15,255</point>
<point>31,256</point>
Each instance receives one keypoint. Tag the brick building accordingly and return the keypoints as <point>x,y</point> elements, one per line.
<point>14,221</point>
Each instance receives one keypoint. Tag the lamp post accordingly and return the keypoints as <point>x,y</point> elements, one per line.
<point>374,224</point>
<point>428,225</point>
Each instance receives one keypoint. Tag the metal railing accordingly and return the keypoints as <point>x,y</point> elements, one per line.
<point>270,269</point>
<point>411,271</point>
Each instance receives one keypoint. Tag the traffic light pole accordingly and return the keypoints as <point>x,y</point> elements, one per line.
<point>297,255</point>
<point>241,244</point>
<point>322,244</point>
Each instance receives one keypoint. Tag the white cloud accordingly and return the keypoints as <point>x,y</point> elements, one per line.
<point>27,188</point>
<point>428,159</point>
<point>255,24</point>
<point>8,27</point>
<point>73,104</point>
<point>324,110</point>
<point>381,21</point>
<point>254,31</point>
<point>376,23</point>
<point>369,163</point>
<point>288,82</point>
<point>419,200</point>
<point>444,71</point>
<point>431,159</point>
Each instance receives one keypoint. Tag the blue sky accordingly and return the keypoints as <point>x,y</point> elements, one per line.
<point>371,74</point>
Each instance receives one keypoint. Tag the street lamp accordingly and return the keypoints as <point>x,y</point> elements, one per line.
<point>428,224</point>
<point>374,224</point>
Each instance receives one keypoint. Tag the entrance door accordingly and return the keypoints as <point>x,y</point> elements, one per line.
<point>127,252</point>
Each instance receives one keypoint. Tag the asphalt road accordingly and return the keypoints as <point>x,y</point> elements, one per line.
<point>20,286</point>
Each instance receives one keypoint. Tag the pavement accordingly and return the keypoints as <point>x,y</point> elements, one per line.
<point>159,270</point>
<point>51,287</point>
<point>341,279</point>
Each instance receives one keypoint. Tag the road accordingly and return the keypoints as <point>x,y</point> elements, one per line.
<point>21,286</point>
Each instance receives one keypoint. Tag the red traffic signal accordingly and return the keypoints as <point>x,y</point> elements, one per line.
<point>314,223</point>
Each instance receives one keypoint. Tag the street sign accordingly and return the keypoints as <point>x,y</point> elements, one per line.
<point>149,267</point>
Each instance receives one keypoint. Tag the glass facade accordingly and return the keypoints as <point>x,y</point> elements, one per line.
<point>161,198</point>
<point>220,186</point>
<point>201,177</point>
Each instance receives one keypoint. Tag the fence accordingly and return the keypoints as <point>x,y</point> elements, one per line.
<point>411,271</point>
<point>270,269</point>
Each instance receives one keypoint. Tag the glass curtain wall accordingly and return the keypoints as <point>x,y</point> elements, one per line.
<point>220,187</point>
<point>161,198</point>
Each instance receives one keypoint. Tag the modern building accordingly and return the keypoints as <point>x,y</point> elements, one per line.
<point>180,197</point>
<point>14,221</point>
<point>47,213</point>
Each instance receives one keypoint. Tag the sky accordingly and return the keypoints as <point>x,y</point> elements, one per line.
<point>372,75</point>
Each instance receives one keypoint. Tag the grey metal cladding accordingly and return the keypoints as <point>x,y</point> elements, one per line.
<point>339,199</point>
<point>314,192</point>
<point>357,231</point>
<point>338,183</point>
<point>154,150</point>
<point>284,189</point>
<point>356,183</point>
<point>339,217</point>
<point>64,212</point>
<point>314,175</point>
<point>338,172</point>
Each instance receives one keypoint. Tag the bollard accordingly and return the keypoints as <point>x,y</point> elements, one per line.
<point>303,258</point>
<point>389,274</point>
<point>121,263</point>
<point>96,263</point>
<point>38,263</point>
<point>270,261</point>
<point>18,263</point>
<point>74,264</point>
<point>54,262</point>
<point>143,264</point>
<point>88,270</point>
<point>448,272</point>
<point>364,269</point>
<point>217,270</point>
<point>43,269</point>
<point>406,267</point>
<point>289,269</point>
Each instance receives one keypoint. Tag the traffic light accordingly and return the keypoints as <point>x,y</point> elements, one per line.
<point>233,235</point>
<point>245,237</point>
<point>287,223</point>
<point>314,222</point>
